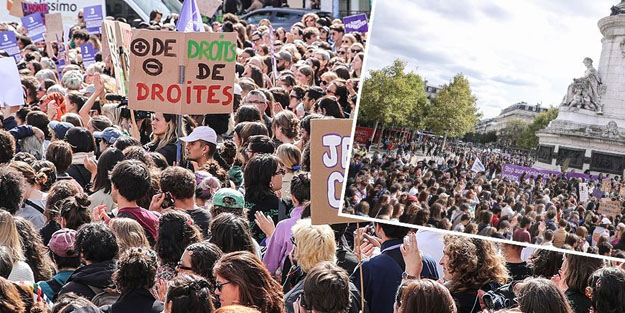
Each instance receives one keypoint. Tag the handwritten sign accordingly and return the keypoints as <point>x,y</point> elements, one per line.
<point>182,73</point>
<point>609,208</point>
<point>208,7</point>
<point>356,23</point>
<point>34,25</point>
<point>15,8</point>
<point>88,53</point>
<point>329,155</point>
<point>583,192</point>
<point>93,19</point>
<point>116,37</point>
<point>8,43</point>
<point>30,8</point>
<point>606,185</point>
<point>11,92</point>
<point>54,25</point>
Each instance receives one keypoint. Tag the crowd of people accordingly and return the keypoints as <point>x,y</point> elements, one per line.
<point>100,211</point>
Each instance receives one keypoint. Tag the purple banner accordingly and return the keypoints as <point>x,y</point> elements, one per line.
<point>93,19</point>
<point>35,26</point>
<point>356,23</point>
<point>8,43</point>
<point>514,172</point>
<point>30,8</point>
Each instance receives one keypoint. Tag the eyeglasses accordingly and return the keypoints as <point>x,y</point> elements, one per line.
<point>179,267</point>
<point>219,286</point>
<point>280,172</point>
<point>345,41</point>
<point>356,50</point>
<point>341,52</point>
<point>256,102</point>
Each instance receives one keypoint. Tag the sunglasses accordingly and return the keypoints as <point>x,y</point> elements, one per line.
<point>323,82</point>
<point>179,267</point>
<point>280,172</point>
<point>341,52</point>
<point>219,286</point>
<point>80,16</point>
<point>356,51</point>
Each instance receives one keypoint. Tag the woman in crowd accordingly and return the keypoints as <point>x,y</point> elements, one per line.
<point>34,199</point>
<point>10,238</point>
<point>231,233</point>
<point>285,127</point>
<point>291,157</point>
<point>165,136</point>
<point>175,232</point>
<point>242,279</point>
<point>74,211</point>
<point>129,233</point>
<point>189,293</point>
<point>540,295</point>
<point>101,190</point>
<point>426,296</point>
<point>573,279</point>
<point>35,253</point>
<point>606,290</point>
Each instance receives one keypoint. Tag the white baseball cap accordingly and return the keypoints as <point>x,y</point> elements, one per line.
<point>201,133</point>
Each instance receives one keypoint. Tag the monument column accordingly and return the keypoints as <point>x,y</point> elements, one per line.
<point>612,65</point>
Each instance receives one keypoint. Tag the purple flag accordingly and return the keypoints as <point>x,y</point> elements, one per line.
<point>190,19</point>
<point>356,23</point>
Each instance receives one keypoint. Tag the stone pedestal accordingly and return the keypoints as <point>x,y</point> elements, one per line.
<point>585,139</point>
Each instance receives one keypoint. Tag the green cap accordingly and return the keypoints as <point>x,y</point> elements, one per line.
<point>229,198</point>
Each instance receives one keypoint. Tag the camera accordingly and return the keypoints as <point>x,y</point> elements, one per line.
<point>500,298</point>
<point>123,105</point>
<point>168,202</point>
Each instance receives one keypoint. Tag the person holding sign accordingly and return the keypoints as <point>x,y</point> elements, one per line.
<point>165,136</point>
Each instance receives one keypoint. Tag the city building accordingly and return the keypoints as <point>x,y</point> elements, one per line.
<point>518,111</point>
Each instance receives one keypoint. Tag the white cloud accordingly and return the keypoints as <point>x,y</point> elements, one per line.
<point>511,51</point>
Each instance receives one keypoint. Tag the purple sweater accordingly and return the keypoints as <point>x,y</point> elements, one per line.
<point>279,244</point>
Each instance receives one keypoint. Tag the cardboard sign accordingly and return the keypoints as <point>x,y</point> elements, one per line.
<point>15,8</point>
<point>88,53</point>
<point>116,37</point>
<point>54,25</point>
<point>182,73</point>
<point>30,8</point>
<point>93,19</point>
<point>11,92</point>
<point>8,43</point>
<point>208,7</point>
<point>609,208</point>
<point>606,185</point>
<point>583,192</point>
<point>356,23</point>
<point>329,158</point>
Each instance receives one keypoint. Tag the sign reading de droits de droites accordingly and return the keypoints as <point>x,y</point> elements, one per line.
<point>182,73</point>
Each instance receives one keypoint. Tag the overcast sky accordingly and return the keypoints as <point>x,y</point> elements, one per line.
<point>511,51</point>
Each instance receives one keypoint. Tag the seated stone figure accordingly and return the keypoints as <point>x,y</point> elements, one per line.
<point>583,92</point>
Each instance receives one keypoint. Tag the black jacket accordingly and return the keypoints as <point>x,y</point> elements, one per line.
<point>135,301</point>
<point>98,275</point>
<point>169,151</point>
<point>81,175</point>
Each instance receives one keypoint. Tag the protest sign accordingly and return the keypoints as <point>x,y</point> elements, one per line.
<point>30,8</point>
<point>362,134</point>
<point>54,25</point>
<point>609,207</point>
<point>88,54</point>
<point>329,158</point>
<point>597,192</point>
<point>356,23</point>
<point>606,185</point>
<point>11,92</point>
<point>116,37</point>
<point>583,192</point>
<point>182,73</point>
<point>208,7</point>
<point>8,43</point>
<point>93,19</point>
<point>34,25</point>
<point>514,172</point>
<point>15,8</point>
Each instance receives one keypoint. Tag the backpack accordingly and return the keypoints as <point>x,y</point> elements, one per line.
<point>104,296</point>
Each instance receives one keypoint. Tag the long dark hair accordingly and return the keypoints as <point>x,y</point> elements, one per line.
<point>34,250</point>
<point>258,173</point>
<point>241,268</point>
<point>542,295</point>
<point>231,233</point>
<point>332,107</point>
<point>75,210</point>
<point>107,161</point>
<point>175,232</point>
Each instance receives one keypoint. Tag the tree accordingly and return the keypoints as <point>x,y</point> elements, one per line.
<point>453,111</point>
<point>529,139</point>
<point>393,97</point>
<point>512,133</point>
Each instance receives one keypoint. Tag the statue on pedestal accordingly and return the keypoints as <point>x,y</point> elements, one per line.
<point>618,9</point>
<point>583,92</point>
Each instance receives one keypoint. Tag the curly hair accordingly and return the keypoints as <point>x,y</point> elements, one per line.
<point>546,263</point>
<point>136,268</point>
<point>139,154</point>
<point>11,301</point>
<point>7,146</point>
<point>75,210</point>
<point>288,123</point>
<point>608,290</point>
<point>204,255</point>
<point>11,189</point>
<point>179,181</point>
<point>315,243</point>
<point>226,154</point>
<point>242,267</point>
<point>96,242</point>
<point>473,263</point>
<point>47,168</point>
<point>175,232</point>
<point>189,293</point>
<point>231,233</point>
<point>35,251</point>
<point>59,191</point>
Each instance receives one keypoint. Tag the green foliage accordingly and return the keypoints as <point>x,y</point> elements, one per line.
<point>393,97</point>
<point>529,140</point>
<point>513,132</point>
<point>484,138</point>
<point>453,110</point>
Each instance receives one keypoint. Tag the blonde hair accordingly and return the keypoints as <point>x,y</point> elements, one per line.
<point>331,76</point>
<point>9,237</point>
<point>129,233</point>
<point>290,155</point>
<point>236,309</point>
<point>315,243</point>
